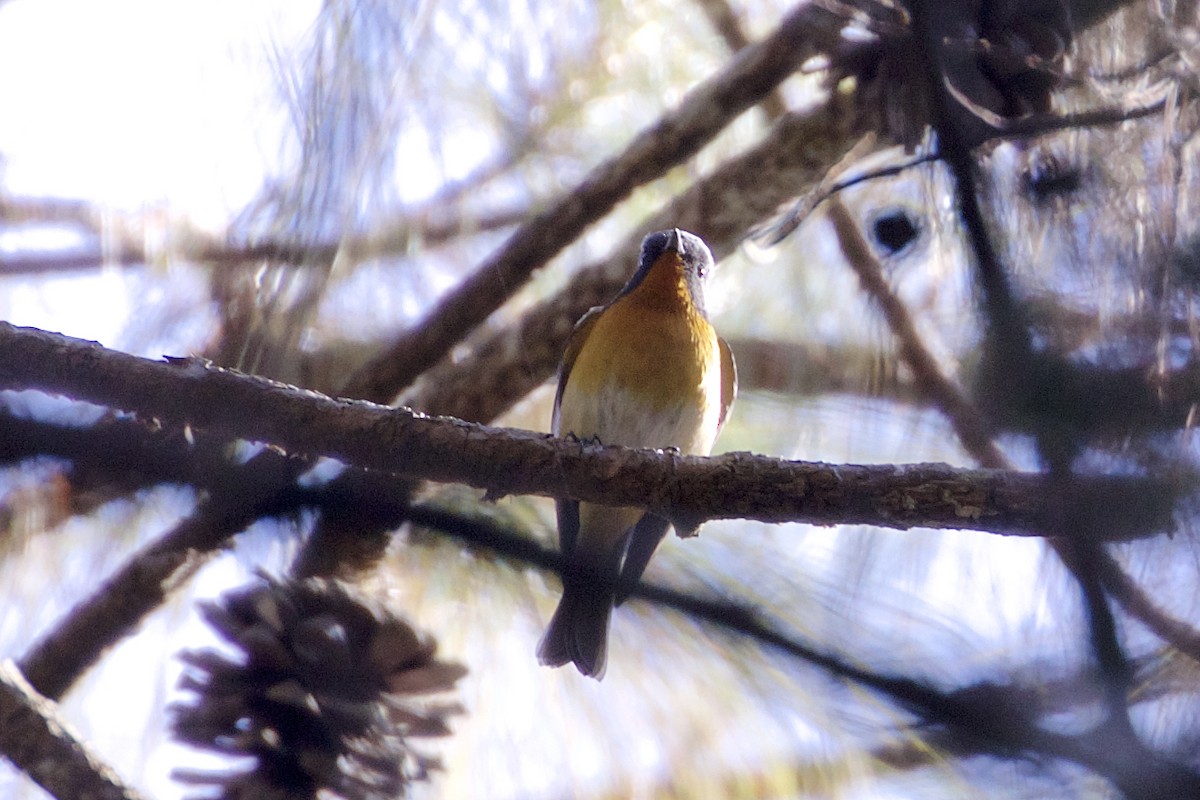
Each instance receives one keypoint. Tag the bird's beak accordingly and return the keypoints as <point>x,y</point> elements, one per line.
<point>674,241</point>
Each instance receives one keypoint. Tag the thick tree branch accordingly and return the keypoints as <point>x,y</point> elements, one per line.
<point>35,738</point>
<point>123,454</point>
<point>986,713</point>
<point>704,112</point>
<point>161,454</point>
<point>686,489</point>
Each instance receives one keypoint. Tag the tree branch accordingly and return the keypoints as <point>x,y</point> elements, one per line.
<point>431,227</point>
<point>395,238</point>
<point>35,738</point>
<point>987,713</point>
<point>686,489</point>
<point>724,20</point>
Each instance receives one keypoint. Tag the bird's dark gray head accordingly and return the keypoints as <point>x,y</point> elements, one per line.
<point>694,257</point>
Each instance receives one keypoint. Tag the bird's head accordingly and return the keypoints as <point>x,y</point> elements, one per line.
<point>673,261</point>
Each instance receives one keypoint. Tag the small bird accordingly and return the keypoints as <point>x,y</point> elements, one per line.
<point>647,370</point>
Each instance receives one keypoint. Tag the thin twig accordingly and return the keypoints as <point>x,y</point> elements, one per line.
<point>394,238</point>
<point>981,718</point>
<point>967,422</point>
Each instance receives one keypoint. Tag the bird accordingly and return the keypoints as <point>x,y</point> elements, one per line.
<point>647,370</point>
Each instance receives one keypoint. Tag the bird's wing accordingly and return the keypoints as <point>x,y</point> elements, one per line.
<point>728,379</point>
<point>568,510</point>
<point>574,344</point>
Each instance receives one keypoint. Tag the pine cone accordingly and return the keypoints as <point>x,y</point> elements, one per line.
<point>323,696</point>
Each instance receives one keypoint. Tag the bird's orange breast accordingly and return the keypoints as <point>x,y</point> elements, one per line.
<point>661,357</point>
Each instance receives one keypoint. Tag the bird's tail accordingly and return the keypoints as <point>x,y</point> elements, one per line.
<point>578,631</point>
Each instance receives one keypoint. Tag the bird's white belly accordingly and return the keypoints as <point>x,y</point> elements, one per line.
<point>619,416</point>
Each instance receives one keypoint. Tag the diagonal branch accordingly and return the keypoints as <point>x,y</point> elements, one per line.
<point>1023,378</point>
<point>971,430</point>
<point>968,424</point>
<point>724,20</point>
<point>1075,543</point>
<point>980,718</point>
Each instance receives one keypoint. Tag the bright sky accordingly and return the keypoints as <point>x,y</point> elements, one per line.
<point>130,112</point>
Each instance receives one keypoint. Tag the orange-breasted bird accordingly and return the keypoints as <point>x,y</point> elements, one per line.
<point>647,370</point>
